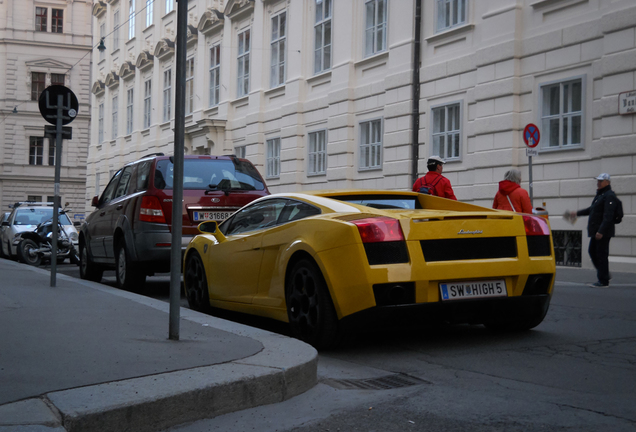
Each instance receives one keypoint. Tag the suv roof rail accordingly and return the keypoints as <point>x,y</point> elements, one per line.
<point>152,154</point>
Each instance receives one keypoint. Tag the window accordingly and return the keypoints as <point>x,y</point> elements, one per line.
<point>149,8</point>
<point>147,103</point>
<point>447,131</point>
<point>322,36</point>
<point>115,125</point>
<point>102,33</point>
<point>169,5</point>
<point>371,144</point>
<point>243,87</point>
<point>58,79</point>
<point>562,114</point>
<point>129,111</point>
<point>317,153</point>
<point>450,13</point>
<point>277,71</point>
<point>57,21</point>
<point>52,151</point>
<point>189,85</point>
<point>273,158</point>
<point>116,30</point>
<point>40,19</point>
<point>240,152</point>
<point>131,20</point>
<point>167,94</point>
<point>375,33</point>
<point>215,69</point>
<point>100,123</point>
<point>36,150</point>
<point>38,83</point>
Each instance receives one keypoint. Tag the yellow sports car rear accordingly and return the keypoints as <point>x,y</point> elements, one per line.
<point>324,261</point>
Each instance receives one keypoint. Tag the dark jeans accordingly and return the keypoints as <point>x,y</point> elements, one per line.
<point>599,252</point>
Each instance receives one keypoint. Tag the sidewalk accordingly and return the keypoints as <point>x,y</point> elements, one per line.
<point>84,357</point>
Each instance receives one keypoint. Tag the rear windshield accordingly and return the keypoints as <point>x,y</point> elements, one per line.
<point>213,174</point>
<point>35,216</point>
<point>382,201</point>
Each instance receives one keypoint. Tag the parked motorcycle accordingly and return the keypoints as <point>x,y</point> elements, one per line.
<point>37,246</point>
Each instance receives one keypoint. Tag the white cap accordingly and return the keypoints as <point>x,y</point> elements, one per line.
<point>435,159</point>
<point>604,176</point>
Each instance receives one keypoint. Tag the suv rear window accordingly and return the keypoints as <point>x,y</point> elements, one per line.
<point>221,174</point>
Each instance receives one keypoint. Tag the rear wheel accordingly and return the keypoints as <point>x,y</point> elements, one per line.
<point>27,252</point>
<point>196,284</point>
<point>88,269</point>
<point>128,276</point>
<point>311,313</point>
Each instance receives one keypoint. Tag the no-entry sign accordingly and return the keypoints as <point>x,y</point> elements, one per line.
<point>531,135</point>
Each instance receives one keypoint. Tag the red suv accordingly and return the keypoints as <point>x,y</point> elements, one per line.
<point>130,229</point>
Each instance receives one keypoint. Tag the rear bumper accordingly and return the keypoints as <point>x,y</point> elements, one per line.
<point>478,311</point>
<point>153,250</point>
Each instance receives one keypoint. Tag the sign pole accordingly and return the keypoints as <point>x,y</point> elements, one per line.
<point>56,198</point>
<point>530,174</point>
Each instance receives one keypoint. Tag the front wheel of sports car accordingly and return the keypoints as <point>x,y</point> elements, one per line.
<point>311,313</point>
<point>196,284</point>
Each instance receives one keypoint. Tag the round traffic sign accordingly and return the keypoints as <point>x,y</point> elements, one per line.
<point>48,104</point>
<point>531,135</point>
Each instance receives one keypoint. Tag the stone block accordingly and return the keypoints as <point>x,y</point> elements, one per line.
<point>619,41</point>
<point>615,84</point>
<point>617,125</point>
<point>620,245</point>
<point>582,32</point>
<point>563,57</point>
<point>562,170</point>
<point>542,43</point>
<point>498,123</point>
<point>504,104</point>
<point>621,62</point>
<point>433,72</point>
<point>468,80</point>
<point>486,73</point>
<point>505,69</point>
<point>496,53</point>
<point>619,20</point>
<point>592,50</point>
<point>533,64</point>
<point>497,88</point>
<point>461,65</point>
<point>447,85</point>
<point>482,143</point>
<point>504,140</point>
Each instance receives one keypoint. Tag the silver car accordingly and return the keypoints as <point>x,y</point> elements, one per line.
<point>26,216</point>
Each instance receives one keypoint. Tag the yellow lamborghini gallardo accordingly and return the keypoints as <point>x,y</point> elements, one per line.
<point>322,260</point>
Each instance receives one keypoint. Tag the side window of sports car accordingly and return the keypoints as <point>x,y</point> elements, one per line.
<point>295,210</point>
<point>261,215</point>
<point>109,192</point>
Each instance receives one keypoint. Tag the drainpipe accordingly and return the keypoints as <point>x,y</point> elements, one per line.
<point>416,91</point>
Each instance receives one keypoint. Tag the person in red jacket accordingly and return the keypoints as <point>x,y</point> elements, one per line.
<point>511,196</point>
<point>434,183</point>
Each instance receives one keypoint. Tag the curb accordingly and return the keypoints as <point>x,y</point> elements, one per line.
<point>284,368</point>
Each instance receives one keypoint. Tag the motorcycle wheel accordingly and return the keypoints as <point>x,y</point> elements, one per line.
<point>26,254</point>
<point>74,257</point>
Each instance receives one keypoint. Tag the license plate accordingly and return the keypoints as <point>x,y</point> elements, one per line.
<point>218,216</point>
<point>473,289</point>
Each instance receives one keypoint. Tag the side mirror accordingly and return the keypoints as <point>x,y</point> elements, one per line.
<point>208,227</point>
<point>5,223</point>
<point>95,201</point>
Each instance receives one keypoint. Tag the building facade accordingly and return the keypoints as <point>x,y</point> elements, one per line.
<point>43,43</point>
<point>319,94</point>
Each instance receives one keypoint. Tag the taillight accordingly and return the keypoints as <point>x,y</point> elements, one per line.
<point>150,210</point>
<point>380,229</point>
<point>535,226</point>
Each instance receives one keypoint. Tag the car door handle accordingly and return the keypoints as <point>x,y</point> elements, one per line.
<point>119,207</point>
<point>102,213</point>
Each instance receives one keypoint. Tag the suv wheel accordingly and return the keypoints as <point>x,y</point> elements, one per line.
<point>88,269</point>
<point>128,277</point>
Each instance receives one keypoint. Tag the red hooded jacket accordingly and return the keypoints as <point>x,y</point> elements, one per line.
<point>518,196</point>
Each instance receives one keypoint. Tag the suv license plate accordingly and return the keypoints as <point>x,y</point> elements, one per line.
<point>473,289</point>
<point>215,216</point>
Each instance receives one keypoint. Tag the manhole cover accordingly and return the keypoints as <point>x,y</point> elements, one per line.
<point>383,383</point>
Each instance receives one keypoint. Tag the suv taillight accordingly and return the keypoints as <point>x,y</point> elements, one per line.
<point>150,210</point>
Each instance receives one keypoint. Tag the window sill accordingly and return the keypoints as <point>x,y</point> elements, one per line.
<point>370,169</point>
<point>320,78</point>
<point>548,150</point>
<point>451,32</point>
<point>113,143</point>
<point>314,175</point>
<point>275,92</point>
<point>373,58</point>
<point>272,178</point>
<point>211,111</point>
<point>241,101</point>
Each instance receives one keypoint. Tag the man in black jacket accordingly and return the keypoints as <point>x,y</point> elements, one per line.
<point>600,227</point>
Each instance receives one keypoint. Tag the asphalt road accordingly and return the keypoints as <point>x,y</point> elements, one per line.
<point>575,372</point>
